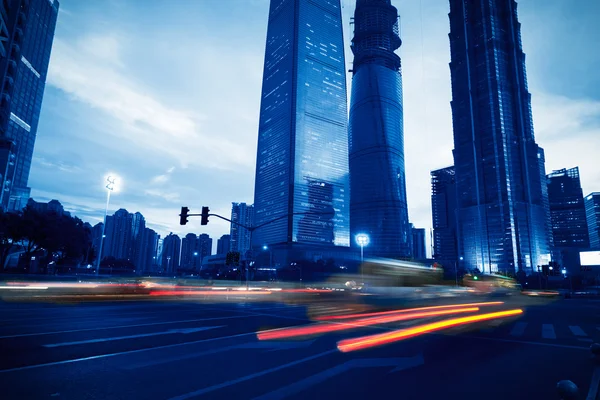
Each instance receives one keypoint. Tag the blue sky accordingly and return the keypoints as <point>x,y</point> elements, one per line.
<point>166,94</point>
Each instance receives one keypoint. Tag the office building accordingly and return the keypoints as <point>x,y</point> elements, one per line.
<point>419,244</point>
<point>378,204</point>
<point>124,236</point>
<point>592,212</point>
<point>443,215</point>
<point>567,209</point>
<point>147,261</point>
<point>501,214</point>
<point>204,249</point>
<point>302,155</point>
<point>26,100</point>
<point>171,250</point>
<point>223,244</point>
<point>241,213</point>
<point>189,250</point>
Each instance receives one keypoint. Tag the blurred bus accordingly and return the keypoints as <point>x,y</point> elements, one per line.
<point>490,282</point>
<point>390,272</point>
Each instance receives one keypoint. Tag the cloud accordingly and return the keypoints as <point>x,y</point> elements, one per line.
<point>163,178</point>
<point>168,196</point>
<point>90,70</point>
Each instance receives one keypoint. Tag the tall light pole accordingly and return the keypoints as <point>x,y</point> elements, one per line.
<point>265,247</point>
<point>363,240</point>
<point>110,186</point>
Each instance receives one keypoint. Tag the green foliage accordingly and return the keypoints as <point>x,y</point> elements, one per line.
<point>59,234</point>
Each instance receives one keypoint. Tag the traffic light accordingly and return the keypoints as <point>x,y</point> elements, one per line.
<point>183,217</point>
<point>205,212</point>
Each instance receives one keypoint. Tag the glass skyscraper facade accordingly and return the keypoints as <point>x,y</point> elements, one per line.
<point>567,209</point>
<point>378,204</point>
<point>592,212</point>
<point>443,212</point>
<point>502,218</point>
<point>27,97</point>
<point>302,158</point>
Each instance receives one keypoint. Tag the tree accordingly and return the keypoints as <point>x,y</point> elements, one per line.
<point>11,234</point>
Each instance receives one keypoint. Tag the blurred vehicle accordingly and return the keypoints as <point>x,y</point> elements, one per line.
<point>488,283</point>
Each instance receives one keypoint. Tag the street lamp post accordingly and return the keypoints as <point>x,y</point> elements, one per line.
<point>265,247</point>
<point>110,186</point>
<point>362,240</point>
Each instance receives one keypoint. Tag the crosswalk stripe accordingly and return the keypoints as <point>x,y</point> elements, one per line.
<point>548,331</point>
<point>518,329</point>
<point>577,331</point>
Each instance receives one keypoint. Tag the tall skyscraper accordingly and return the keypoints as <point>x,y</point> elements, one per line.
<point>378,203</point>
<point>13,22</point>
<point>443,212</point>
<point>567,209</point>
<point>147,261</point>
<point>419,244</point>
<point>26,101</point>
<point>302,157</point>
<point>124,235</point>
<point>592,211</point>
<point>171,250</point>
<point>189,248</point>
<point>205,244</point>
<point>223,244</point>
<point>501,214</point>
<point>241,213</point>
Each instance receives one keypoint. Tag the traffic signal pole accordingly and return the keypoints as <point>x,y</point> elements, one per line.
<point>250,228</point>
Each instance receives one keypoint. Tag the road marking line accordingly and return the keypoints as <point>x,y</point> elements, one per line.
<point>585,340</point>
<point>251,376</point>
<point>168,346</point>
<point>577,331</point>
<point>139,335</point>
<point>124,326</point>
<point>563,346</point>
<point>594,385</point>
<point>518,329</point>
<point>548,331</point>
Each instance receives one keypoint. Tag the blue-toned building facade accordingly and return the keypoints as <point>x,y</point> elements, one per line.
<point>26,102</point>
<point>443,215</point>
<point>302,159</point>
<point>378,204</point>
<point>592,212</point>
<point>502,214</point>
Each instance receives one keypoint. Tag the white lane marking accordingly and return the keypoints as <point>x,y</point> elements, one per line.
<point>123,326</point>
<point>577,331</point>
<point>209,389</point>
<point>297,387</point>
<point>266,345</point>
<point>594,385</point>
<point>548,331</point>
<point>518,329</point>
<point>168,346</point>
<point>585,340</point>
<point>139,335</point>
<point>562,346</point>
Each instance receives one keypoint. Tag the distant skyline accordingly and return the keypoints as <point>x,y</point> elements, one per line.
<point>176,115</point>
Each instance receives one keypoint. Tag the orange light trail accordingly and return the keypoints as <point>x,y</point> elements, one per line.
<point>389,337</point>
<point>406,310</point>
<point>339,326</point>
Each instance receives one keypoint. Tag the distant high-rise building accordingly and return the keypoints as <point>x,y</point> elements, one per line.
<point>189,249</point>
<point>378,205</point>
<point>147,261</point>
<point>26,101</point>
<point>51,206</point>
<point>204,249</point>
<point>241,213</point>
<point>223,244</point>
<point>592,212</point>
<point>171,250</point>
<point>419,244</point>
<point>501,215</point>
<point>567,210</point>
<point>13,23</point>
<point>124,235</point>
<point>302,134</point>
<point>443,213</point>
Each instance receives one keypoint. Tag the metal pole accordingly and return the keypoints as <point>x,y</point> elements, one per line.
<point>103,230</point>
<point>362,260</point>
<point>456,272</point>
<point>248,263</point>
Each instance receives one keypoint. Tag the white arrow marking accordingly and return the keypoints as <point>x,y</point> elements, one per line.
<point>270,345</point>
<point>169,332</point>
<point>294,388</point>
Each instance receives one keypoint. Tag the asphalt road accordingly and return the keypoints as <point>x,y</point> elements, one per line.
<point>184,349</point>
